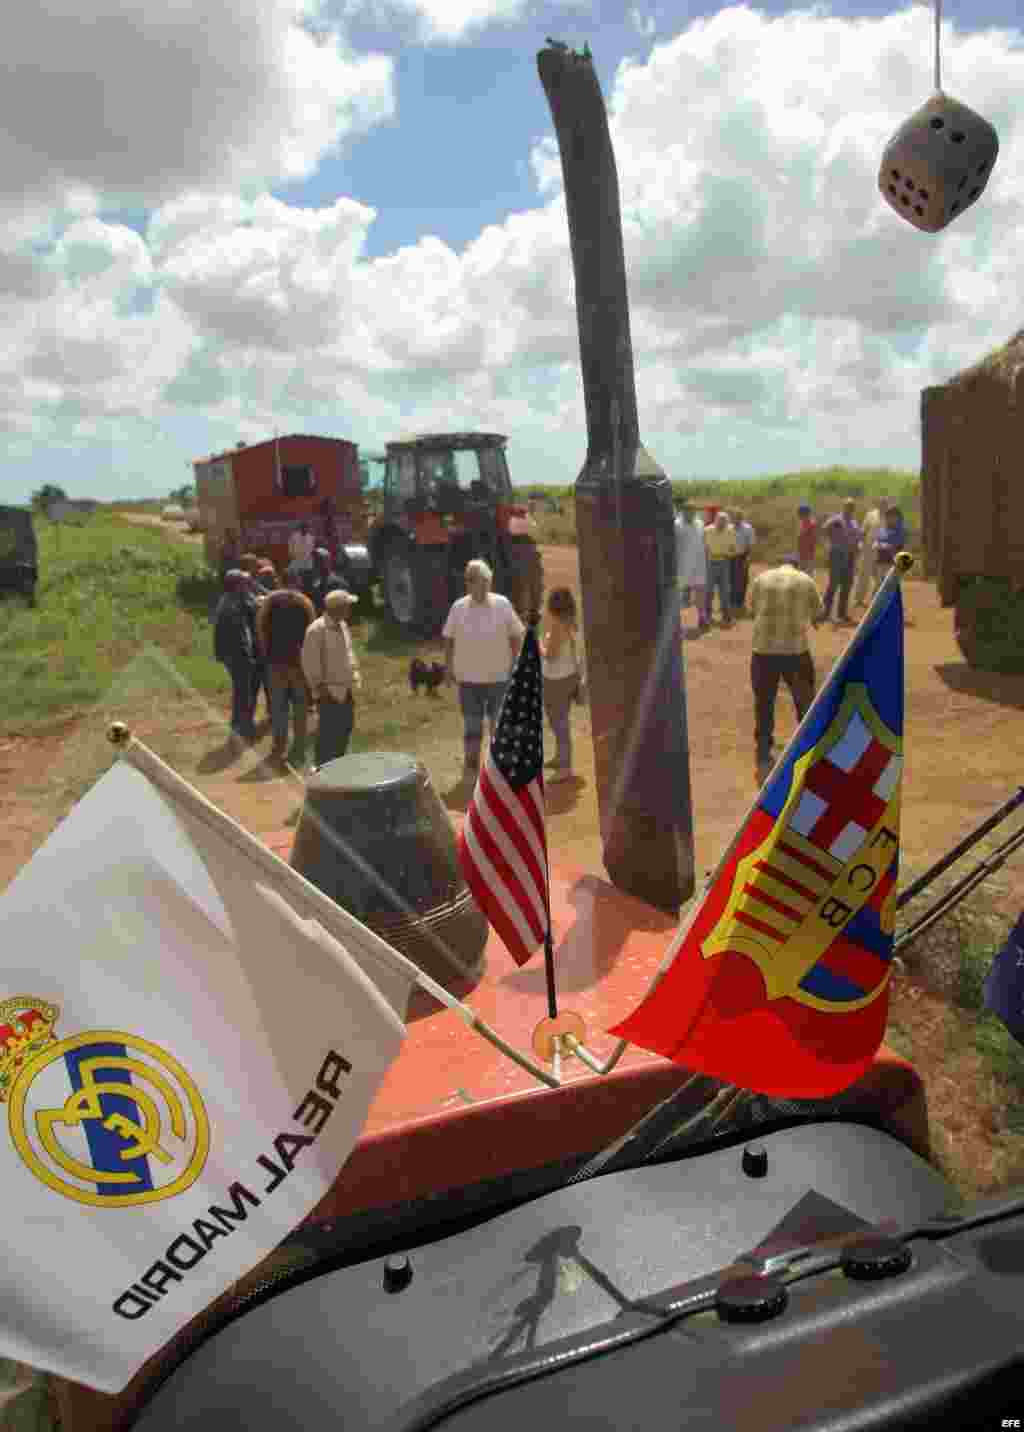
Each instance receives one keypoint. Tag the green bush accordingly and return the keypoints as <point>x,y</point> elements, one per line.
<point>990,621</point>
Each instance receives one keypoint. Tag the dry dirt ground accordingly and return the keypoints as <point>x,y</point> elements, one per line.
<point>964,745</point>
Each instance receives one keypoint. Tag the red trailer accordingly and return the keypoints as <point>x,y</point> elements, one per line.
<point>267,491</point>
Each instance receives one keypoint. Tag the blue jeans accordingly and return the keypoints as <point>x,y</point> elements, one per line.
<point>243,696</point>
<point>840,580</point>
<point>558,694</point>
<point>719,575</point>
<point>287,686</point>
<point>477,701</point>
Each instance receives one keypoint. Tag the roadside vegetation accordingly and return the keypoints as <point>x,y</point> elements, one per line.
<point>117,601</point>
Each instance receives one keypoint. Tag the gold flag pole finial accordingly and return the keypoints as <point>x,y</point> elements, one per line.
<point>118,734</point>
<point>904,562</point>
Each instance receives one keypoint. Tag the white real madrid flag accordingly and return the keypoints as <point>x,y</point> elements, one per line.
<point>186,1061</point>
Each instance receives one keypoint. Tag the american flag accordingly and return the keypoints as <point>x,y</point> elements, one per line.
<point>503,846</point>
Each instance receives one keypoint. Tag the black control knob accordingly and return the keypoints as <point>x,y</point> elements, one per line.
<point>755,1161</point>
<point>876,1258</point>
<point>753,1299</point>
<point>397,1273</point>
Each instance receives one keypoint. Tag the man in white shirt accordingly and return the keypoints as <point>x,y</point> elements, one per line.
<point>482,637</point>
<point>329,665</point>
<point>691,559</point>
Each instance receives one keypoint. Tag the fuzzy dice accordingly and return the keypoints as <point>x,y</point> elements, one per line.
<point>937,163</point>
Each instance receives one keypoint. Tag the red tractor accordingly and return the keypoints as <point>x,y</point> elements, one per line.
<point>447,498</point>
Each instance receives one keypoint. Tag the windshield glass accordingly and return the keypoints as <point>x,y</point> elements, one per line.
<point>494,470</point>
<point>692,810</point>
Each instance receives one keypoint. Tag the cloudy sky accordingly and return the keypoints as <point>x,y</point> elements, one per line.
<point>346,217</point>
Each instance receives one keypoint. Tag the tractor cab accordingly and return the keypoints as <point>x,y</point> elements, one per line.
<point>447,473</point>
<point>447,498</point>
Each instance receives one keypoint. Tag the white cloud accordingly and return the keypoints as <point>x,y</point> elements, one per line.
<point>781,314</point>
<point>453,20</point>
<point>142,99</point>
<point>450,22</point>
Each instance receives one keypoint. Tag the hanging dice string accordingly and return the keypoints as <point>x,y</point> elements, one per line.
<point>938,162</point>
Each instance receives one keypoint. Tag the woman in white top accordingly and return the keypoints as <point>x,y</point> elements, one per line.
<point>562,676</point>
<point>482,637</point>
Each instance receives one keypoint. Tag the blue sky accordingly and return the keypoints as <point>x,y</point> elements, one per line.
<point>345,216</point>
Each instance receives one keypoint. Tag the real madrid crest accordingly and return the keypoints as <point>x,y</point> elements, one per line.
<point>103,1118</point>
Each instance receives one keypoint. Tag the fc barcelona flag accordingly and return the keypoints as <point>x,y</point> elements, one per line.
<point>780,984</point>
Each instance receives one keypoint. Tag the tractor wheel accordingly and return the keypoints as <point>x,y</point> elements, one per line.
<point>415,588</point>
<point>989,621</point>
<point>398,578</point>
<point>523,576</point>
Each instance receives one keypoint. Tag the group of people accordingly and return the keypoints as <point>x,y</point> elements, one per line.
<point>290,639</point>
<point>713,555</point>
<point>859,554</point>
<point>785,604</point>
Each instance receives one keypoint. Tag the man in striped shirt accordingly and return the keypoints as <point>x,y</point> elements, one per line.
<point>784,603</point>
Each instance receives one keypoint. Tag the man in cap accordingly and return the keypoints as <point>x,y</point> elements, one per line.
<point>234,646</point>
<point>784,603</point>
<point>330,667</point>
<point>844,535</point>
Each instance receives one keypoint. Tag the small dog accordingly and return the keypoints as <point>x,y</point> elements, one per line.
<point>420,674</point>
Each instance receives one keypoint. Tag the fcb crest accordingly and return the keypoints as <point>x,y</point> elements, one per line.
<point>813,904</point>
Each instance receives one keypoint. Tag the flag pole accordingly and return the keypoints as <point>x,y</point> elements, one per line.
<point>549,949</point>
<point>902,564</point>
<point>334,918</point>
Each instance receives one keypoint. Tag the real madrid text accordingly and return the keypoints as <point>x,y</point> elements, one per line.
<point>112,1120</point>
<point>191,1248</point>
